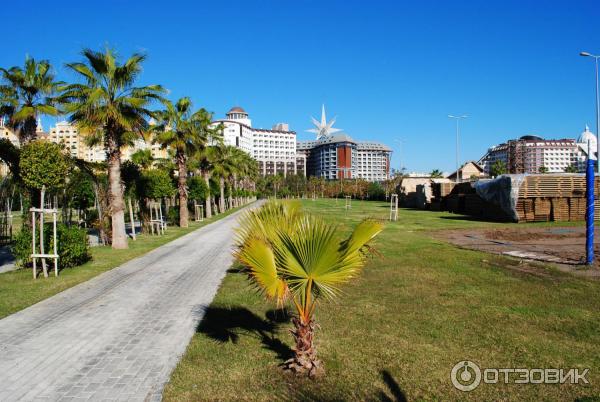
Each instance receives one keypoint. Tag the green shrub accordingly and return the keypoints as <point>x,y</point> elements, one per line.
<point>156,184</point>
<point>376,191</point>
<point>197,188</point>
<point>173,216</point>
<point>72,245</point>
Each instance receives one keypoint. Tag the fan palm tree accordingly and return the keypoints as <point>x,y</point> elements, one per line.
<point>436,174</point>
<point>143,158</point>
<point>107,104</point>
<point>185,132</point>
<point>295,257</point>
<point>26,94</point>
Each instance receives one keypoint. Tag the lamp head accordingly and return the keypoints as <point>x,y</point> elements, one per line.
<point>585,54</point>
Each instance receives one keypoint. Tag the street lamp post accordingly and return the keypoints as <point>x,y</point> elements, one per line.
<point>400,142</point>
<point>457,118</point>
<point>586,54</point>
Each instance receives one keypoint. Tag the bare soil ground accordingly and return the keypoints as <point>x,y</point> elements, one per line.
<point>563,246</point>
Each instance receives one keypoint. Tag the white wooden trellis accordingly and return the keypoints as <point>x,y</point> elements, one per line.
<point>348,202</point>
<point>39,213</point>
<point>156,218</point>
<point>394,207</point>
<point>199,212</point>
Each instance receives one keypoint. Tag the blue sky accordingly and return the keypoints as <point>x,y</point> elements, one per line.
<point>389,70</point>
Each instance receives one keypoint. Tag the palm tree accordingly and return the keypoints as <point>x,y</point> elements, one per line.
<point>26,94</point>
<point>109,106</point>
<point>298,257</point>
<point>436,174</point>
<point>185,133</point>
<point>143,158</point>
<point>223,163</point>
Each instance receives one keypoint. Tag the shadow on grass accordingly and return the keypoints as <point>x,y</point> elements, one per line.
<point>228,324</point>
<point>469,218</point>
<point>309,390</point>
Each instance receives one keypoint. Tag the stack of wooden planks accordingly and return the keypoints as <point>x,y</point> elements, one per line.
<point>559,197</point>
<point>541,198</point>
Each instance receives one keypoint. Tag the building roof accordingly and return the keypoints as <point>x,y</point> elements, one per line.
<point>586,136</point>
<point>237,109</point>
<point>343,137</point>
<point>531,138</point>
<point>475,164</point>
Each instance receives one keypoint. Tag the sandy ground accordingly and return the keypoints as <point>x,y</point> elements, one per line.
<point>563,246</point>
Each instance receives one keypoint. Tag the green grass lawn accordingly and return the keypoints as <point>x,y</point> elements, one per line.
<point>397,331</point>
<point>18,289</point>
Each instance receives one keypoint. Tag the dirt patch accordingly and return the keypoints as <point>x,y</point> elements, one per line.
<point>529,235</point>
<point>564,246</point>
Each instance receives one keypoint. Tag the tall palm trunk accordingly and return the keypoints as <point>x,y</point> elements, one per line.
<point>222,197</point>
<point>115,195</point>
<point>208,202</point>
<point>232,188</point>
<point>183,196</point>
<point>305,355</point>
<point>29,129</point>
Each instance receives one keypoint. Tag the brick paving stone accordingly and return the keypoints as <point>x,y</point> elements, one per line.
<point>119,335</point>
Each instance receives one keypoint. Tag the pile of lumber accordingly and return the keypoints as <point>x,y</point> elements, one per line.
<point>559,197</point>
<point>541,198</point>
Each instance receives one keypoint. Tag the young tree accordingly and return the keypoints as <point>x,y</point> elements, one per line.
<point>543,170</point>
<point>299,258</point>
<point>26,94</point>
<point>109,105</point>
<point>185,132</point>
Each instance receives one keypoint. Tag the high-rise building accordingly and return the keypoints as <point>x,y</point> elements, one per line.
<point>274,149</point>
<point>335,155</point>
<point>533,154</point>
<point>74,142</point>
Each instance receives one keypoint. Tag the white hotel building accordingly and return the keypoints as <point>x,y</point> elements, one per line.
<point>275,149</point>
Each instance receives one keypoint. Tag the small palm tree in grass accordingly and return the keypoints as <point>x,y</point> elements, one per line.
<point>292,256</point>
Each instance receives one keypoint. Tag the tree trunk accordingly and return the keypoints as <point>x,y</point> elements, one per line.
<point>115,195</point>
<point>208,199</point>
<point>183,194</point>
<point>305,355</point>
<point>131,218</point>
<point>222,197</point>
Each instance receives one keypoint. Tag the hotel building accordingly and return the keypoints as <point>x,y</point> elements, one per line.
<point>338,156</point>
<point>531,154</point>
<point>274,149</point>
<point>335,155</point>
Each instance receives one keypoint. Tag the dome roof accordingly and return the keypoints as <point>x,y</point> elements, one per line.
<point>586,136</point>
<point>531,138</point>
<point>236,109</point>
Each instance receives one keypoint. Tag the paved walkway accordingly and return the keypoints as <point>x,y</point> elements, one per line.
<point>7,261</point>
<point>119,335</point>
